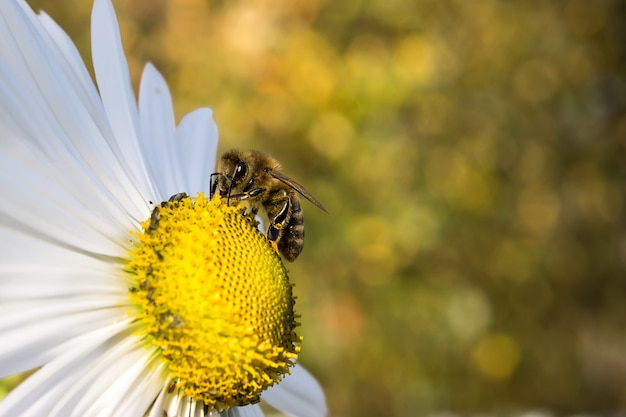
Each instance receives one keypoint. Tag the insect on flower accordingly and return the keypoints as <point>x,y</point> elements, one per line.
<point>252,177</point>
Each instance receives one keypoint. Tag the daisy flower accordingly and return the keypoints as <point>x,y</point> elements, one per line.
<point>124,290</point>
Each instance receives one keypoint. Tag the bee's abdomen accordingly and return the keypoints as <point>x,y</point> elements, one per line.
<point>292,239</point>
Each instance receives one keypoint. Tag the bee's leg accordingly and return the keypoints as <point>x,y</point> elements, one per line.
<point>213,180</point>
<point>239,197</point>
<point>273,234</point>
<point>256,191</point>
<point>251,211</point>
<point>278,212</point>
<point>248,209</point>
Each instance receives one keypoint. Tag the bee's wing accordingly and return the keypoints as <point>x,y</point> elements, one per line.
<point>300,189</point>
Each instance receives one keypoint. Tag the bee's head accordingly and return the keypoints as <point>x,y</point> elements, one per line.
<point>238,172</point>
<point>233,172</point>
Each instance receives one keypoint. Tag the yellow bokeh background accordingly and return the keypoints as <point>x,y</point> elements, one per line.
<point>472,157</point>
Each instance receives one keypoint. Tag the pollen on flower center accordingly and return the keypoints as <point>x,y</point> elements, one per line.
<point>215,299</point>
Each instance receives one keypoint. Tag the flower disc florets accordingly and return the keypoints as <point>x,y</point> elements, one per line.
<point>215,299</point>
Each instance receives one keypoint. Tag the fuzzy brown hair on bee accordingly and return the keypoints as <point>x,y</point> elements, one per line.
<point>253,178</point>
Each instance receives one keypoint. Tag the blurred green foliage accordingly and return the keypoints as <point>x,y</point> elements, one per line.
<point>472,157</point>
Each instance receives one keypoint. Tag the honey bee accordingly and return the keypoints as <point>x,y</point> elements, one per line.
<point>253,177</point>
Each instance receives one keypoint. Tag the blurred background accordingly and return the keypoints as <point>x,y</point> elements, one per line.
<point>472,156</point>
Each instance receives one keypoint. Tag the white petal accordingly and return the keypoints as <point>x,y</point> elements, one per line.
<point>111,70</point>
<point>141,394</point>
<point>252,410</point>
<point>42,390</point>
<point>196,140</point>
<point>17,315</point>
<point>156,119</point>
<point>34,344</point>
<point>33,283</point>
<point>23,247</point>
<point>180,163</point>
<point>76,71</point>
<point>107,379</point>
<point>157,407</point>
<point>298,394</point>
<point>38,206</point>
<point>172,402</point>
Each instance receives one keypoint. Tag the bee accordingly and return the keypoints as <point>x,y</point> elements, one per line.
<point>253,177</point>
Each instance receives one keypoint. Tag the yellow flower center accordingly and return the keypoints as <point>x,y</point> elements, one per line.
<point>215,299</point>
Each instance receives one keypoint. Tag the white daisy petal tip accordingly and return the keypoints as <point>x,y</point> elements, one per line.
<point>196,144</point>
<point>298,394</point>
